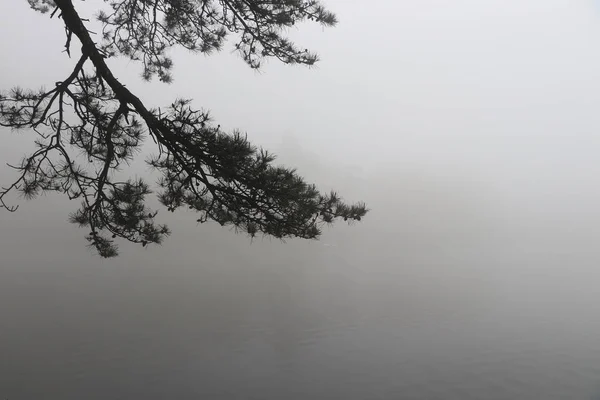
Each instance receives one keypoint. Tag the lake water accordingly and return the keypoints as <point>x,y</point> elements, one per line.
<point>486,298</point>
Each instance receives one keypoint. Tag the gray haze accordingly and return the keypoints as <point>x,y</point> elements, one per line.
<point>471,129</point>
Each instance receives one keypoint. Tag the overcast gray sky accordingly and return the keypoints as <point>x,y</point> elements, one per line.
<point>454,115</point>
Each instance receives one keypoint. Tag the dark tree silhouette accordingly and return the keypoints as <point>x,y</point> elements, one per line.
<point>90,125</point>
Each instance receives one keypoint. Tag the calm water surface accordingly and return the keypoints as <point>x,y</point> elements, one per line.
<point>453,306</point>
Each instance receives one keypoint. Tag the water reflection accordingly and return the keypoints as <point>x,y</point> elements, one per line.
<point>460,296</point>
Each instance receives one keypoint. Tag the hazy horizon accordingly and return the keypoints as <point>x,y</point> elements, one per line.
<point>469,128</point>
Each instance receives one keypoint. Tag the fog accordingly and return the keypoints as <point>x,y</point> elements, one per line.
<point>470,129</point>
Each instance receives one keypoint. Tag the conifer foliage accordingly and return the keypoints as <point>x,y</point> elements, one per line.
<point>89,125</point>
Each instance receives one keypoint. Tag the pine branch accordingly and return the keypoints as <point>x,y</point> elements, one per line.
<point>223,177</point>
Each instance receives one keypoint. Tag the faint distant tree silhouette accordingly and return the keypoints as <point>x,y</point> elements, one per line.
<point>89,125</point>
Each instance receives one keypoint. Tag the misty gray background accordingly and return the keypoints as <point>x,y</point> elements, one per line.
<point>471,129</point>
